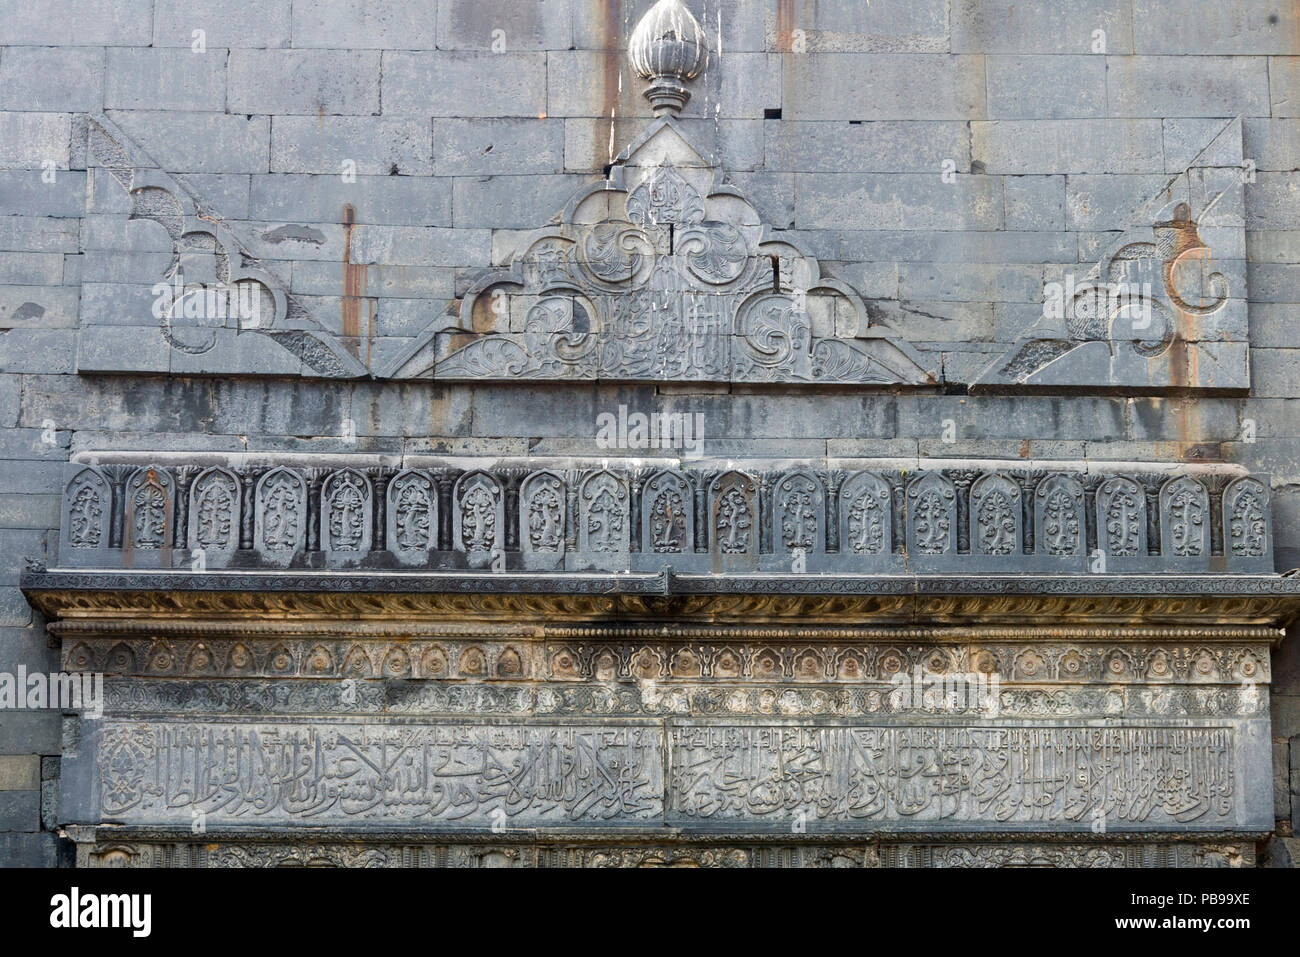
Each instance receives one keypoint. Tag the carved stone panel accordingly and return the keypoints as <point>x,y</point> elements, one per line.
<point>733,522</point>
<point>798,520</point>
<point>1122,523</point>
<point>280,519</point>
<point>149,503</point>
<point>478,518</point>
<point>931,521</point>
<point>215,513</point>
<point>412,516</point>
<point>543,507</point>
<point>866,517</point>
<point>605,521</point>
<point>1185,523</point>
<point>346,515</point>
<point>87,518</point>
<point>667,515</point>
<point>1247,529</point>
<point>996,520</point>
<point>1060,527</point>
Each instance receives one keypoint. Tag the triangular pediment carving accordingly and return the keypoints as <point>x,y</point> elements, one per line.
<point>664,272</point>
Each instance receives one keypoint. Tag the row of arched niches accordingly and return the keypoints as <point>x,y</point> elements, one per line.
<point>814,521</point>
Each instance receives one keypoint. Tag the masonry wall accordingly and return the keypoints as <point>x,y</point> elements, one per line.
<point>836,117</point>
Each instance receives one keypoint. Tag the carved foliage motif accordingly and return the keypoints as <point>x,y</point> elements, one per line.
<point>1058,517</point>
<point>215,511</point>
<point>996,515</point>
<point>799,514</point>
<point>1185,518</point>
<point>541,513</point>
<point>866,516</point>
<point>88,504</point>
<point>412,513</point>
<point>1245,518</point>
<point>732,507</point>
<point>280,528</point>
<point>1122,518</point>
<point>479,514</point>
<point>603,502</point>
<point>932,515</point>
<point>667,515</point>
<point>149,497</point>
<point>346,512</point>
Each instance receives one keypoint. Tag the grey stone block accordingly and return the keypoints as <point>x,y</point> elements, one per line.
<point>27,194</point>
<point>20,772</point>
<point>30,732</point>
<point>522,25</point>
<point>1189,27</point>
<point>38,234</point>
<point>50,307</point>
<point>1203,142</point>
<point>35,350</point>
<point>485,147</point>
<point>1273,282</point>
<point>1008,26</point>
<point>896,201</point>
<point>383,282</point>
<point>365,25</point>
<point>11,388</point>
<point>1110,201</point>
<point>388,200</point>
<point>1275,372</point>
<point>28,511</point>
<point>1272,325</point>
<point>1272,144</point>
<point>76,23</point>
<point>250,23</point>
<point>1187,86</point>
<point>58,79</point>
<point>1284,85</point>
<point>1273,201</point>
<point>849,26</point>
<point>980,283</point>
<point>849,86</point>
<point>311,82</point>
<point>962,246</point>
<point>465,84</point>
<point>1069,146</point>
<point>29,850</point>
<point>1035,203</point>
<point>870,147</point>
<point>34,140</point>
<point>145,79</point>
<point>510,202</point>
<point>20,810</point>
<point>372,145</point>
<point>201,142</point>
<point>1031,87</point>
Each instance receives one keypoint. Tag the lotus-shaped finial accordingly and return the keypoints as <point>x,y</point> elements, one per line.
<point>669,49</point>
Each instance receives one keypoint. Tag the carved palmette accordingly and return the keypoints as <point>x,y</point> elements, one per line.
<point>995,516</point>
<point>733,511</point>
<point>1122,518</point>
<point>1059,523</point>
<point>479,515</point>
<point>1245,519</point>
<point>346,512</point>
<point>932,516</point>
<point>1184,519</point>
<point>215,511</point>
<point>542,510</point>
<point>412,514</point>
<point>87,510</point>
<point>149,497</point>
<point>280,522</point>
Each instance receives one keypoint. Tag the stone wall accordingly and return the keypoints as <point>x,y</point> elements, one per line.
<point>943,159</point>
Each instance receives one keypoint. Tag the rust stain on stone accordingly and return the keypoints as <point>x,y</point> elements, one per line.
<point>354,287</point>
